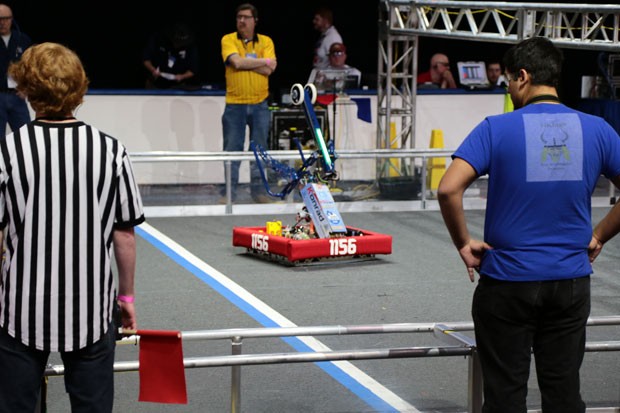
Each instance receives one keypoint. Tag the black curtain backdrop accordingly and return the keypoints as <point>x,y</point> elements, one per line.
<point>110,36</point>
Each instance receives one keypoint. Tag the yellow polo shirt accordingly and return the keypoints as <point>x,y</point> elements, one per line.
<point>246,86</point>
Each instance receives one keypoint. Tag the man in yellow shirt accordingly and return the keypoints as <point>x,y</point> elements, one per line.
<point>250,59</point>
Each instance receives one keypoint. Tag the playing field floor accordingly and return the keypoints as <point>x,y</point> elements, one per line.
<point>191,278</point>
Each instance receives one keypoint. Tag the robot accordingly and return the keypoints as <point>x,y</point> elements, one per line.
<point>313,174</point>
<point>319,233</point>
<point>319,167</point>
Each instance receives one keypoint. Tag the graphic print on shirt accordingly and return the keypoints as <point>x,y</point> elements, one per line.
<point>554,147</point>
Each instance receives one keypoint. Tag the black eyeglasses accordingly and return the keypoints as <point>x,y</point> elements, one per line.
<point>244,17</point>
<point>436,65</point>
<point>510,77</point>
<point>338,53</point>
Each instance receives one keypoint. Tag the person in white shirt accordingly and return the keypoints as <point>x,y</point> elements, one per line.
<point>494,73</point>
<point>323,22</point>
<point>338,74</point>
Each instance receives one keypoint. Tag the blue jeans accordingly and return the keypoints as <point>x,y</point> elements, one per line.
<point>89,375</point>
<point>234,121</point>
<point>512,319</point>
<point>13,110</point>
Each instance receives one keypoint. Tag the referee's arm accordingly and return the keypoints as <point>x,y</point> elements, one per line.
<point>124,240</point>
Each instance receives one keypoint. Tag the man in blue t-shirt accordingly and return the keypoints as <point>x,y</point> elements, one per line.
<point>543,161</point>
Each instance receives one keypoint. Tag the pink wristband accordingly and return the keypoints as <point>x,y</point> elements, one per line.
<point>267,60</point>
<point>125,298</point>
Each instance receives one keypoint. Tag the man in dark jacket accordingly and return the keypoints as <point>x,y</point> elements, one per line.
<point>13,107</point>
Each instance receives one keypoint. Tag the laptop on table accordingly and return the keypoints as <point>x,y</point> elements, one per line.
<point>334,80</point>
<point>473,76</point>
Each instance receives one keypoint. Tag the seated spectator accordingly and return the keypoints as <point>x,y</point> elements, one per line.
<point>338,75</point>
<point>171,59</point>
<point>494,73</point>
<point>439,74</point>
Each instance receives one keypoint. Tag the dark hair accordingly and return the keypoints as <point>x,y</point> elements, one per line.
<point>326,13</point>
<point>539,57</point>
<point>341,48</point>
<point>250,7</point>
<point>180,35</point>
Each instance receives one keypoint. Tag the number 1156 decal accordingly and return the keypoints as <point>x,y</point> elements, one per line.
<point>337,246</point>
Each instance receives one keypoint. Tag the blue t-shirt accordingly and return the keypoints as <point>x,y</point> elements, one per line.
<point>543,163</point>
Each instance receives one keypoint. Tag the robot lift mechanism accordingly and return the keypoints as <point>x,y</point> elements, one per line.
<point>319,233</point>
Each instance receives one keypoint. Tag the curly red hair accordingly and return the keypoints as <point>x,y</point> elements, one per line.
<point>52,77</point>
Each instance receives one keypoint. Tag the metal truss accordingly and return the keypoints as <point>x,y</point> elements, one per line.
<point>578,26</point>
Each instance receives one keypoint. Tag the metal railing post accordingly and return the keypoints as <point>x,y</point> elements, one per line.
<point>227,175</point>
<point>235,374</point>
<point>423,182</point>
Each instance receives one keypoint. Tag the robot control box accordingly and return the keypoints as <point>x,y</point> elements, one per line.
<point>322,209</point>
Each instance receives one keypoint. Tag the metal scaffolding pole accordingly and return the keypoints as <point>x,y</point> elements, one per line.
<point>577,26</point>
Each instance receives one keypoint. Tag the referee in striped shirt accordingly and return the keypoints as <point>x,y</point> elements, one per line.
<point>68,198</point>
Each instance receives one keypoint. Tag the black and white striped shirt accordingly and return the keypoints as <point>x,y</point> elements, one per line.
<point>64,187</point>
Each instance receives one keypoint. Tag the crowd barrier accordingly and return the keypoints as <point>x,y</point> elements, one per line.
<point>420,163</point>
<point>451,334</point>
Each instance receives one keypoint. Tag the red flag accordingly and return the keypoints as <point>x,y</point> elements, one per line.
<point>162,374</point>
